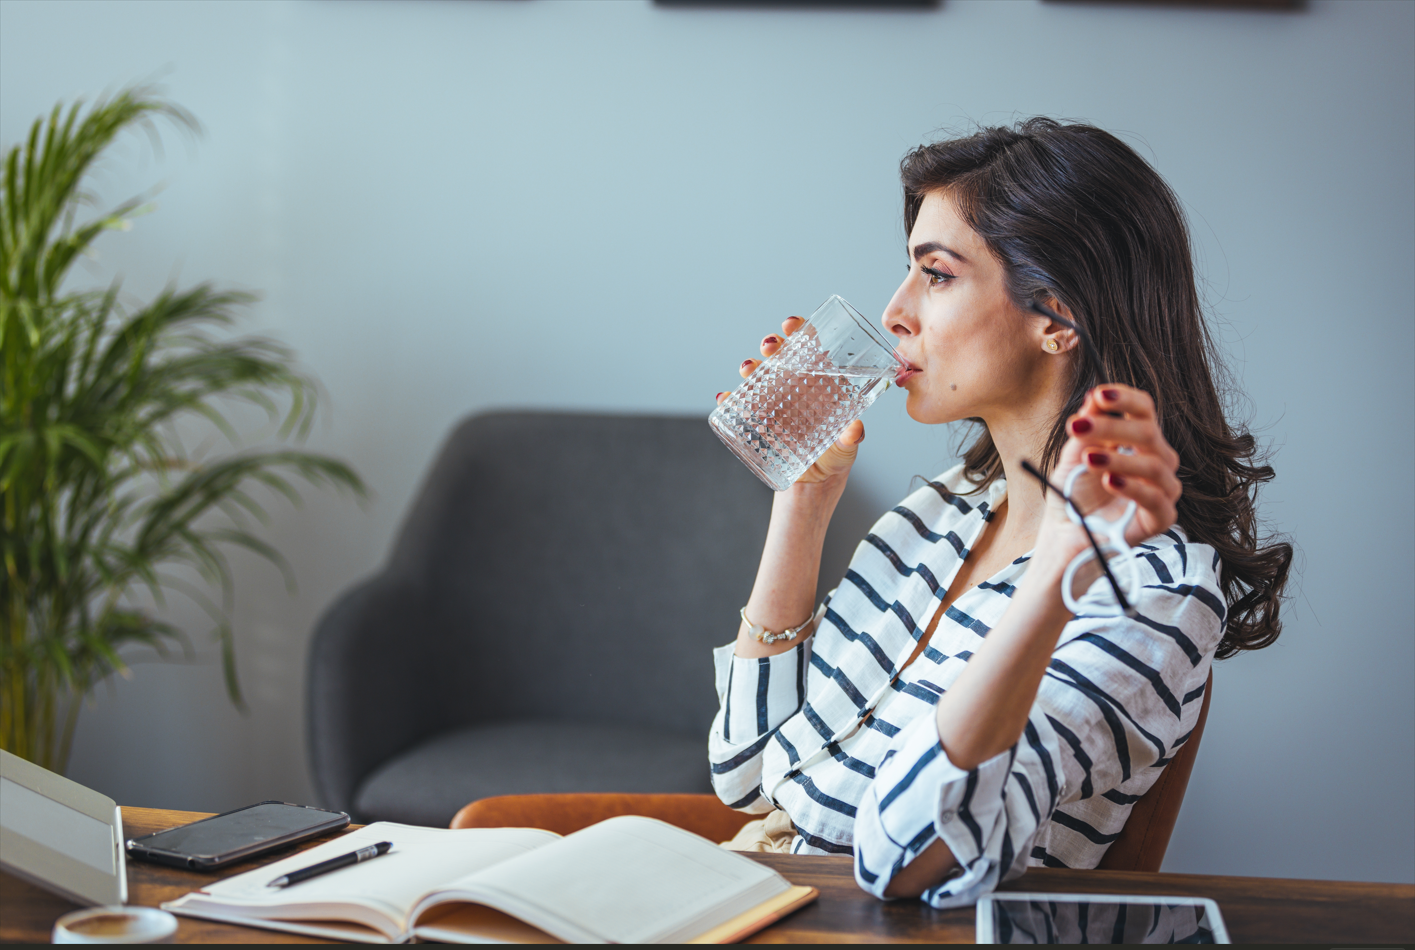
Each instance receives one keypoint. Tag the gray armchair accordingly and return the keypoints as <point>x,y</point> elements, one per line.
<point>544,621</point>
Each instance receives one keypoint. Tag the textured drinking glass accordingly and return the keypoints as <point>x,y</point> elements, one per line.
<point>786,414</point>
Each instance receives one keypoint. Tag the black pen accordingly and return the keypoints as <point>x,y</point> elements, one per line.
<point>333,864</point>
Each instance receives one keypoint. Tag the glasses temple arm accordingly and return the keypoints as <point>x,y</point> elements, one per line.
<point>1043,310</point>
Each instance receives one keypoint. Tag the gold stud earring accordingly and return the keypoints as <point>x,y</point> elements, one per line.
<point>1053,346</point>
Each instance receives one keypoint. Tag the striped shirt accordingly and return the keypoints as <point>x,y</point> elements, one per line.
<point>826,732</point>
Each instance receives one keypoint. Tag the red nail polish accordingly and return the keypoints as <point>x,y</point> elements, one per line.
<point>746,363</point>
<point>1097,458</point>
<point>1081,426</point>
<point>771,339</point>
<point>1117,481</point>
<point>1110,395</point>
<point>719,396</point>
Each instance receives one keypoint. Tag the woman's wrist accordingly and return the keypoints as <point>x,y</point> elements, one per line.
<point>813,501</point>
<point>784,594</point>
<point>800,518</point>
<point>1048,563</point>
<point>1041,585</point>
<point>1058,542</point>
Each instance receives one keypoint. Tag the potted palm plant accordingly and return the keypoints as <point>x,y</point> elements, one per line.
<point>104,509</point>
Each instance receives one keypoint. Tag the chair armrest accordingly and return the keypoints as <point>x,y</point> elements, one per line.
<point>367,688</point>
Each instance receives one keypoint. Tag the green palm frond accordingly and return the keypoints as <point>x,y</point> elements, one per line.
<point>99,496</point>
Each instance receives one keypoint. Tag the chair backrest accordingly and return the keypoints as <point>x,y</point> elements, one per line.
<point>1145,837</point>
<point>581,566</point>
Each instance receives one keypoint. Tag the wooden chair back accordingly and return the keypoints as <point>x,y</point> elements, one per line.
<point>563,813</point>
<point>1145,837</point>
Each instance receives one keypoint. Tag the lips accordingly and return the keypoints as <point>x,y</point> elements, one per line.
<point>907,371</point>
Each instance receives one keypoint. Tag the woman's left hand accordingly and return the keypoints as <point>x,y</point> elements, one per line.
<point>1128,460</point>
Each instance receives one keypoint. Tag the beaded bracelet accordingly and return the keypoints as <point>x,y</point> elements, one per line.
<point>766,636</point>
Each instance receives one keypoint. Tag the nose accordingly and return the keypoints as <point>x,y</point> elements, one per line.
<point>899,317</point>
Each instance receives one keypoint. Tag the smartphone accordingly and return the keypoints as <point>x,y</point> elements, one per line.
<point>224,839</point>
<point>1012,917</point>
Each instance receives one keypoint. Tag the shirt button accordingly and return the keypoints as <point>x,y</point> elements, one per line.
<point>948,816</point>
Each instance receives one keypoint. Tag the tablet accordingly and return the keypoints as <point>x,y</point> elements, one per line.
<point>1015,917</point>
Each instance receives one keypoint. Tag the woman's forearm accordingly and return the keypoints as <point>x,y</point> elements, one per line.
<point>985,711</point>
<point>784,594</point>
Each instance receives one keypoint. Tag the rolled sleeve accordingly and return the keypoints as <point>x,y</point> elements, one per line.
<point>755,696</point>
<point>758,694</point>
<point>918,797</point>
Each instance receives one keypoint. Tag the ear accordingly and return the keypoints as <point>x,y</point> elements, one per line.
<point>1058,338</point>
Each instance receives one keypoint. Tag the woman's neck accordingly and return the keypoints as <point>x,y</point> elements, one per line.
<point>1021,436</point>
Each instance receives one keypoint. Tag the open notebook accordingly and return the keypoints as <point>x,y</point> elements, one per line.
<point>625,880</point>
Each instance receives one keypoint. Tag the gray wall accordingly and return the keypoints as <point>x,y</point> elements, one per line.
<point>604,205</point>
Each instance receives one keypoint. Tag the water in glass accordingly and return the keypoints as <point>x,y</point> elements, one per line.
<point>786,414</point>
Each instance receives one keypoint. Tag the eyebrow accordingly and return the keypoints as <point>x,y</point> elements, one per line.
<point>929,247</point>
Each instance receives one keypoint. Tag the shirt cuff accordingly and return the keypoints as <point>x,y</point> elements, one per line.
<point>917,797</point>
<point>758,694</point>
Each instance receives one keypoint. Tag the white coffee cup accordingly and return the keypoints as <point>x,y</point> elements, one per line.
<point>116,924</point>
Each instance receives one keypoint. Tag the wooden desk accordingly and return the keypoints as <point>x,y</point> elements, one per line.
<point>1257,910</point>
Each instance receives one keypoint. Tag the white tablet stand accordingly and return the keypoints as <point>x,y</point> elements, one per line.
<point>59,835</point>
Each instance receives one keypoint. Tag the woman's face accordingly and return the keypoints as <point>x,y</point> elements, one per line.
<point>975,354</point>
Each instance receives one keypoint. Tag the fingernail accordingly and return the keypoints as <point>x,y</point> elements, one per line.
<point>719,396</point>
<point>1097,458</point>
<point>1081,426</point>
<point>1117,481</point>
<point>1110,395</point>
<point>771,339</point>
<point>746,363</point>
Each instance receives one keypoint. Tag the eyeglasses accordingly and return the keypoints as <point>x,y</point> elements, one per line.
<point>1114,556</point>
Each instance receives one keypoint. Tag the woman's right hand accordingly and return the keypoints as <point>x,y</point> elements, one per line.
<point>833,467</point>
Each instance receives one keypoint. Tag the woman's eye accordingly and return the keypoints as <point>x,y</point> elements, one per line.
<point>936,277</point>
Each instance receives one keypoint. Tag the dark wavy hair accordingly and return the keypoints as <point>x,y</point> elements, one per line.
<point>1075,214</point>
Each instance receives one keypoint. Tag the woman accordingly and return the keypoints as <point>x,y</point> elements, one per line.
<point>943,716</point>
